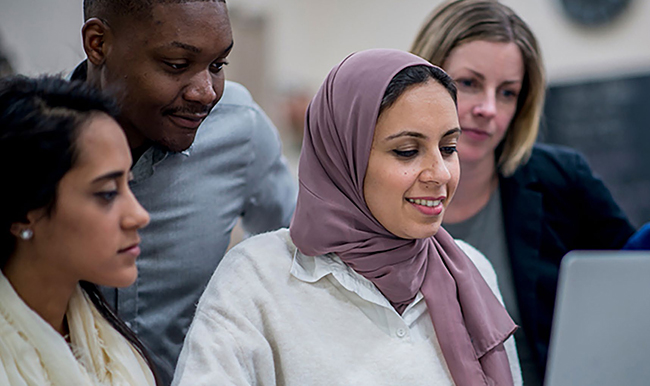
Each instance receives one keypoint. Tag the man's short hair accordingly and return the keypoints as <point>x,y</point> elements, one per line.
<point>106,9</point>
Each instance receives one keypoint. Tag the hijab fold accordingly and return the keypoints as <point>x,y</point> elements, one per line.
<point>332,216</point>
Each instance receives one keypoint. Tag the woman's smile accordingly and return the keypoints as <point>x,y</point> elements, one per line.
<point>428,206</point>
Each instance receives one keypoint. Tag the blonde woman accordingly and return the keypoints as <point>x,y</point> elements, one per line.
<point>524,205</point>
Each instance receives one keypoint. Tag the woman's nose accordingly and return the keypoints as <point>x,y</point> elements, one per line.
<point>136,217</point>
<point>486,107</point>
<point>436,172</point>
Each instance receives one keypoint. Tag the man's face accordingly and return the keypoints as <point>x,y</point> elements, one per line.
<point>166,71</point>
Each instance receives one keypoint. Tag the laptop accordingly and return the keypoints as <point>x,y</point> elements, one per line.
<point>601,327</point>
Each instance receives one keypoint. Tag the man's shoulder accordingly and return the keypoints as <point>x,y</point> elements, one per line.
<point>235,94</point>
<point>234,119</point>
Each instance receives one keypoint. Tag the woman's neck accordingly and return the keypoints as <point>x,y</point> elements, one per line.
<point>478,180</point>
<point>41,291</point>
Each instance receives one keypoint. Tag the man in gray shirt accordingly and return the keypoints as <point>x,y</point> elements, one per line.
<point>197,167</point>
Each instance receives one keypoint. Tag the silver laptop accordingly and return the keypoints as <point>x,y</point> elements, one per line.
<point>601,327</point>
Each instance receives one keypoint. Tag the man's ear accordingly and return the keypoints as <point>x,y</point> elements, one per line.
<point>94,34</point>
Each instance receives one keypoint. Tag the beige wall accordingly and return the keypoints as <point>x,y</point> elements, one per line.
<point>42,35</point>
<point>310,36</point>
<point>575,52</point>
<point>305,38</point>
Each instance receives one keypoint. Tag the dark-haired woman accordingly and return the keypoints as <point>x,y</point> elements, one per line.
<point>68,223</point>
<point>365,288</point>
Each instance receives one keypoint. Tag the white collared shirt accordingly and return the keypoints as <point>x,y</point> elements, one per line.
<point>273,316</point>
<point>414,323</point>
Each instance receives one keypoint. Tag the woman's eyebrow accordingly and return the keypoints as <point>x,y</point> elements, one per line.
<point>481,77</point>
<point>406,133</point>
<point>452,131</point>
<point>109,176</point>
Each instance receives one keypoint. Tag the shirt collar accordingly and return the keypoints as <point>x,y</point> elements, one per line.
<point>146,164</point>
<point>311,269</point>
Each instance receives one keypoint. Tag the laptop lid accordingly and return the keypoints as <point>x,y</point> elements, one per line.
<point>601,327</point>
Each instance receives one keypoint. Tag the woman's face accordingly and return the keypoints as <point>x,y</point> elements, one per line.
<point>92,232</point>
<point>489,76</point>
<point>413,168</point>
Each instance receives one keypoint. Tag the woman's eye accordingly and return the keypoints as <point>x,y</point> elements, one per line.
<point>466,83</point>
<point>107,196</point>
<point>509,94</point>
<point>405,153</point>
<point>448,150</point>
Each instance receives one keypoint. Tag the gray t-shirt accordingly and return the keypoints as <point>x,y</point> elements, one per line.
<point>485,231</point>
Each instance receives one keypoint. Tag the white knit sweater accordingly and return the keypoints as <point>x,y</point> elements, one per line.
<point>272,316</point>
<point>32,353</point>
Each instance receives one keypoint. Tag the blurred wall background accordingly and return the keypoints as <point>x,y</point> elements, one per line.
<point>284,49</point>
<point>303,39</point>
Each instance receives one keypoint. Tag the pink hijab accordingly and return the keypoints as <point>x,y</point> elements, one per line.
<point>332,216</point>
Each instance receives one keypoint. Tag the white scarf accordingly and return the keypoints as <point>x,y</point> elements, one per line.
<point>32,353</point>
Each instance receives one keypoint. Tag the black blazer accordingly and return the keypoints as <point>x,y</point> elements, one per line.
<point>551,205</point>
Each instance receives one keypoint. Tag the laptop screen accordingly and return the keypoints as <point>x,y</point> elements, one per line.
<point>601,325</point>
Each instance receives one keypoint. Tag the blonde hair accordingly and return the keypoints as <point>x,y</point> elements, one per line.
<point>461,21</point>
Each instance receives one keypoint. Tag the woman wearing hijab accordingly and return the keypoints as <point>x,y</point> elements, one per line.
<point>365,288</point>
<point>69,223</point>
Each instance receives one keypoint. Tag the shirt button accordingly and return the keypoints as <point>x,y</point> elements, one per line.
<point>400,332</point>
